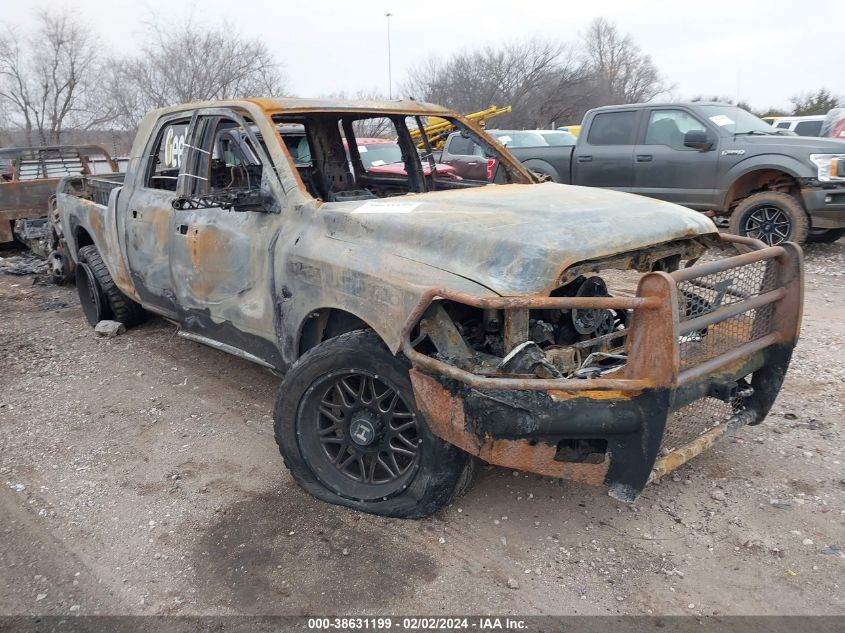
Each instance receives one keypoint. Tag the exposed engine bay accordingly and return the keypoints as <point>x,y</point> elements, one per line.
<point>550,343</point>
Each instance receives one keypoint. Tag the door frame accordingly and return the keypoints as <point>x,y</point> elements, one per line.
<point>163,301</point>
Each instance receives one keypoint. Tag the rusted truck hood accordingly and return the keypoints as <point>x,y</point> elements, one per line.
<point>513,239</point>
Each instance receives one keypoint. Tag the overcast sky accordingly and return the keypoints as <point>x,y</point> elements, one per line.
<point>764,52</point>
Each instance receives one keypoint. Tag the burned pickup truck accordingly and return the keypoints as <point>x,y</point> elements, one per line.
<point>419,321</point>
<point>28,179</point>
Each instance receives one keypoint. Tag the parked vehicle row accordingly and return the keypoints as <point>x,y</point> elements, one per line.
<point>830,125</point>
<point>801,125</point>
<point>715,158</point>
<point>422,320</point>
<point>544,152</point>
<point>710,157</point>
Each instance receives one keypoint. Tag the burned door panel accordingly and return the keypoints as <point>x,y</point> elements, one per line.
<point>219,245</point>
<point>148,221</point>
<point>148,209</point>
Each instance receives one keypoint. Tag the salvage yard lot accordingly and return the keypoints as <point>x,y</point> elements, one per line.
<point>140,475</point>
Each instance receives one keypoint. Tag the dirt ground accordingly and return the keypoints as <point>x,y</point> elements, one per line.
<point>138,475</point>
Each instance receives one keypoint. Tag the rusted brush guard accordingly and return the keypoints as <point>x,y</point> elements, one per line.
<point>683,387</point>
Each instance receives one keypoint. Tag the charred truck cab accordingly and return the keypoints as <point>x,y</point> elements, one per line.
<point>421,320</point>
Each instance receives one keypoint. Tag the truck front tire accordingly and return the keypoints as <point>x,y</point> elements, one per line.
<point>771,217</point>
<point>98,294</point>
<point>349,431</point>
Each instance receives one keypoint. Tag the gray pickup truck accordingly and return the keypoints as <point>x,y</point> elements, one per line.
<point>419,321</point>
<point>710,157</point>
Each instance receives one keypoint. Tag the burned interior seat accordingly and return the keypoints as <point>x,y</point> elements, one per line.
<point>340,183</point>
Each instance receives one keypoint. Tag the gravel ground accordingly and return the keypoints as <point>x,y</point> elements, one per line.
<point>138,475</point>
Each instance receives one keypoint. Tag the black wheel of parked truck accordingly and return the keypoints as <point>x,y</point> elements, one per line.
<point>825,236</point>
<point>349,431</point>
<point>98,294</point>
<point>771,217</point>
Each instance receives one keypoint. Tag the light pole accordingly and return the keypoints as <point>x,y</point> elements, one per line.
<point>389,61</point>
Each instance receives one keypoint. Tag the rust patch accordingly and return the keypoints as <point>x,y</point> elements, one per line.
<point>445,416</point>
<point>95,223</point>
<point>652,346</point>
<point>122,278</point>
<point>676,458</point>
<point>202,245</point>
<point>540,459</point>
<point>161,226</point>
<point>443,412</point>
<point>611,394</point>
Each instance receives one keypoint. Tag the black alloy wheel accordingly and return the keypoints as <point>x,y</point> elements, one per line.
<point>358,434</point>
<point>350,433</point>
<point>768,224</point>
<point>773,217</point>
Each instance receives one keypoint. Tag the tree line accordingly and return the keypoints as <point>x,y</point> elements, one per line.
<point>546,82</point>
<point>55,86</point>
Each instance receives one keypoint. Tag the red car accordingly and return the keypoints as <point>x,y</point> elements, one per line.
<point>383,156</point>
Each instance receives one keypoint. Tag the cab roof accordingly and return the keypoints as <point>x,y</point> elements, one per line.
<point>296,105</point>
<point>665,104</point>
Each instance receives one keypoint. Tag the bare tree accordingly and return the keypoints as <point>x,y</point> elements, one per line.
<point>193,63</point>
<point>47,79</point>
<point>523,74</point>
<point>821,101</point>
<point>567,96</point>
<point>546,82</point>
<point>14,85</point>
<point>773,111</point>
<point>621,71</point>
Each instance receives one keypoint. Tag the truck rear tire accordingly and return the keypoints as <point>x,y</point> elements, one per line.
<point>771,217</point>
<point>98,294</point>
<point>349,431</point>
<point>549,172</point>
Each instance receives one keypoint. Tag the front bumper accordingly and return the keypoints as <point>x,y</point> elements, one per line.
<point>676,396</point>
<point>825,203</point>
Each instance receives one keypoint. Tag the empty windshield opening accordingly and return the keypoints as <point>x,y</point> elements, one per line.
<point>352,156</point>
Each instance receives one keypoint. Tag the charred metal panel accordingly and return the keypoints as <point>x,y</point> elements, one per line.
<point>33,176</point>
<point>78,216</point>
<point>221,267</point>
<point>513,239</point>
<point>379,288</point>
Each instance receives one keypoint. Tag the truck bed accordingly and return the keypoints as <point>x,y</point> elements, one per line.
<point>101,186</point>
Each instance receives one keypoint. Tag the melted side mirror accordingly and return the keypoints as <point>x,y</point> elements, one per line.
<point>698,139</point>
<point>260,199</point>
